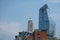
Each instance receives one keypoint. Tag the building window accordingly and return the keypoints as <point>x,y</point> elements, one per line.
<point>38,37</point>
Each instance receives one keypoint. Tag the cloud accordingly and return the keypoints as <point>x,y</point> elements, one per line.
<point>55,16</point>
<point>12,27</point>
<point>54,1</point>
<point>5,35</point>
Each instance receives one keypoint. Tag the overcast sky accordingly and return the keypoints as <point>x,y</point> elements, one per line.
<point>14,14</point>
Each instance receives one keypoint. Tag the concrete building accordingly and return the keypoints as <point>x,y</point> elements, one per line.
<point>23,35</point>
<point>18,38</point>
<point>30,25</point>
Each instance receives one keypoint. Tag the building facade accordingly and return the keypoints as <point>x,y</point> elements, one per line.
<point>43,18</point>
<point>30,25</point>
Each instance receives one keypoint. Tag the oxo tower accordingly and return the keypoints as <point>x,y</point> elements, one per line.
<point>43,19</point>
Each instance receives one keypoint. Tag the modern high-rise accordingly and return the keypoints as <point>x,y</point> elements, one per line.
<point>46,28</point>
<point>30,25</point>
<point>43,19</point>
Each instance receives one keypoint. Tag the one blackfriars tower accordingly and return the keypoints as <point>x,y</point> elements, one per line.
<point>43,19</point>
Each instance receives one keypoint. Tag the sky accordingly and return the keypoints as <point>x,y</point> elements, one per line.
<point>14,14</point>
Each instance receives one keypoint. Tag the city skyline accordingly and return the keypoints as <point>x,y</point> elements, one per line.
<point>14,14</point>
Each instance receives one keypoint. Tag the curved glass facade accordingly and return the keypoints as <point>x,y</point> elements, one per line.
<point>45,22</point>
<point>43,19</point>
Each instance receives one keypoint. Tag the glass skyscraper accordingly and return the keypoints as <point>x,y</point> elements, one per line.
<point>43,19</point>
